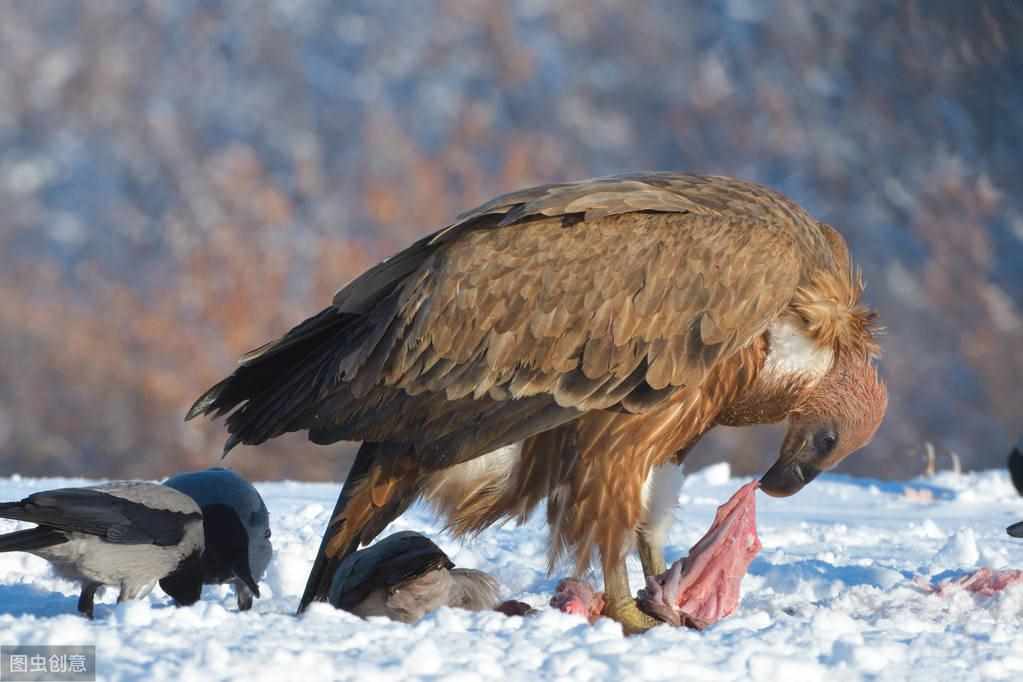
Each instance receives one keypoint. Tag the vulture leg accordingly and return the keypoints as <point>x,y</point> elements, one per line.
<point>621,606</point>
<point>651,553</point>
<point>664,485</point>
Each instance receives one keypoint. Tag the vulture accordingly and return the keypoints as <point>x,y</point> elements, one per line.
<point>570,343</point>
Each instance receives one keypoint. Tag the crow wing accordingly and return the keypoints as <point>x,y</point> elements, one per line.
<point>116,520</point>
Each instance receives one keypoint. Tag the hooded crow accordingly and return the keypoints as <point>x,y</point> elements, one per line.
<point>126,534</point>
<point>237,526</point>
<point>404,577</point>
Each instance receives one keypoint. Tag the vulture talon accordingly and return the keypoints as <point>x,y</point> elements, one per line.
<point>620,606</point>
<point>633,620</point>
<point>660,598</point>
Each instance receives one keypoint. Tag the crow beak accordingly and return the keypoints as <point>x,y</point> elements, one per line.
<point>1015,530</point>
<point>244,573</point>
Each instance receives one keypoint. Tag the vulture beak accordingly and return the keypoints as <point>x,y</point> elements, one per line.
<point>1015,530</point>
<point>785,479</point>
<point>793,469</point>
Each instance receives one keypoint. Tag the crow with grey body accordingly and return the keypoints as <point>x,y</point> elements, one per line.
<point>127,534</point>
<point>237,528</point>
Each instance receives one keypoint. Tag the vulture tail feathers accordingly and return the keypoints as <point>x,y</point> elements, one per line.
<point>260,404</point>
<point>376,492</point>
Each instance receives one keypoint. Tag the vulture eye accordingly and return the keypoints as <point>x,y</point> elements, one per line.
<point>824,442</point>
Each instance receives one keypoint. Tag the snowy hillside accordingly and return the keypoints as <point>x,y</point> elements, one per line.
<point>831,596</point>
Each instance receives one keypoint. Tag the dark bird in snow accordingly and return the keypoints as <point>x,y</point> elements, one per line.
<point>404,577</point>
<point>237,529</point>
<point>1016,466</point>
<point>570,343</point>
<point>1016,474</point>
<point>126,534</point>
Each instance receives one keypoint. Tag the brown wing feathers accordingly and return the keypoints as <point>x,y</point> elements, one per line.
<point>510,312</point>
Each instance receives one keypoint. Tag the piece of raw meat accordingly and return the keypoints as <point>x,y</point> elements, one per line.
<point>703,587</point>
<point>984,581</point>
<point>578,597</point>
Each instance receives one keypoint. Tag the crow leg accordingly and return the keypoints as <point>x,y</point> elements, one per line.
<point>243,594</point>
<point>86,600</point>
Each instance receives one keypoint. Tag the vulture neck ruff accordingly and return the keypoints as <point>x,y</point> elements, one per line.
<point>793,354</point>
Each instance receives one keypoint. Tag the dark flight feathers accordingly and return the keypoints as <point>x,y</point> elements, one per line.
<point>97,513</point>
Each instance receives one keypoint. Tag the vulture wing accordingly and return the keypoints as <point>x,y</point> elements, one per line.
<point>529,311</point>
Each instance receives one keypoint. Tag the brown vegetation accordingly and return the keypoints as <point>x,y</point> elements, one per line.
<point>180,183</point>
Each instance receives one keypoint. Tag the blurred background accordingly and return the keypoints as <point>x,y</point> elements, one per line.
<point>182,181</point>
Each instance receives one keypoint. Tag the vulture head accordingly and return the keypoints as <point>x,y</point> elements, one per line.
<point>838,416</point>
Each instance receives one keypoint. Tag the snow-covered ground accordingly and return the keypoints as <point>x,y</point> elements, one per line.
<point>830,597</point>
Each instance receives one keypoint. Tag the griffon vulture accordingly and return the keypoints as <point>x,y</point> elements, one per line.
<point>571,343</point>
